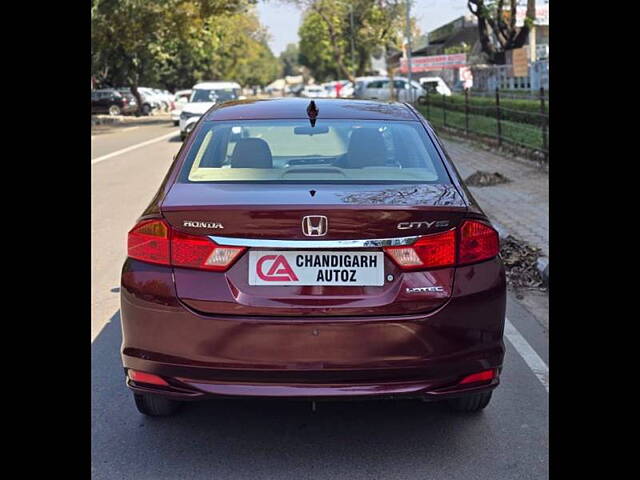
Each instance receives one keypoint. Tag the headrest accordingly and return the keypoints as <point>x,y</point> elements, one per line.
<point>251,153</point>
<point>366,148</point>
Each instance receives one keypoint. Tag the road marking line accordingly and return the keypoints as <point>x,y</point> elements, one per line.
<point>126,129</point>
<point>133,147</point>
<point>529,355</point>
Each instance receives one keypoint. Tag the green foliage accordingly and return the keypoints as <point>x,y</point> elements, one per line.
<point>315,47</point>
<point>175,43</point>
<point>360,28</point>
<point>523,127</point>
<point>290,59</point>
<point>460,48</point>
<point>516,110</point>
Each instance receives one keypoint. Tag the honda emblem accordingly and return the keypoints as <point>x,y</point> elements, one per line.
<point>315,225</point>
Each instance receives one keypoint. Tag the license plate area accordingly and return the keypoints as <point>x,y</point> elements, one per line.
<point>312,268</point>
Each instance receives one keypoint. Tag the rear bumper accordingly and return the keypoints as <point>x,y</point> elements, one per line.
<point>203,356</point>
<point>190,389</point>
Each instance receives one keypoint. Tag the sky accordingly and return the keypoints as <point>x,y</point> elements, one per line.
<point>283,19</point>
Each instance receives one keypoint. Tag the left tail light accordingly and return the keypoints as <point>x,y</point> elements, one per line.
<point>149,241</point>
<point>193,251</point>
<point>154,241</point>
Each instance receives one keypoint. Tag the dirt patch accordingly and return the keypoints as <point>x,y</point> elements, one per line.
<point>485,179</point>
<point>520,263</point>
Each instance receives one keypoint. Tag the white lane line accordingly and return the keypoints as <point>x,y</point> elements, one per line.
<point>123,130</point>
<point>529,355</point>
<point>133,147</point>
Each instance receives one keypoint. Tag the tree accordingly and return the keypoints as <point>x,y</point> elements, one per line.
<point>497,27</point>
<point>173,42</point>
<point>290,59</point>
<point>338,37</point>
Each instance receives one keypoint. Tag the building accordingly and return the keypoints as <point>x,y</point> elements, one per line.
<point>456,45</point>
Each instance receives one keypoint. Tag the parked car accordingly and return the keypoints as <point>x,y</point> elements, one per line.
<point>313,91</point>
<point>377,88</point>
<point>331,89</point>
<point>203,97</point>
<point>165,98</point>
<point>180,99</point>
<point>154,99</point>
<point>435,85</point>
<point>150,102</point>
<point>292,259</point>
<point>111,101</point>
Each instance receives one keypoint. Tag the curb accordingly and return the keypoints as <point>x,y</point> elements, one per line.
<point>542,263</point>
<point>106,119</point>
<point>543,268</point>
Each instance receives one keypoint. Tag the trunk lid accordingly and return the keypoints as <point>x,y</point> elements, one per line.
<point>353,212</point>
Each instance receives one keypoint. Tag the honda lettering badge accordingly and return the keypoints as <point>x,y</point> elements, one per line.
<point>315,225</point>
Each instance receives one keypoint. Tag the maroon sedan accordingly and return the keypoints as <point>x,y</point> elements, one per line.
<point>312,250</point>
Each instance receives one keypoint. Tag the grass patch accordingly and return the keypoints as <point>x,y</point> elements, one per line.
<point>527,135</point>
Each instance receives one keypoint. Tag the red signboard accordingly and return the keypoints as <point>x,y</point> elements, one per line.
<point>434,62</point>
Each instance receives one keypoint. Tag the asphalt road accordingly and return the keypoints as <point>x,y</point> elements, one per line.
<point>286,439</point>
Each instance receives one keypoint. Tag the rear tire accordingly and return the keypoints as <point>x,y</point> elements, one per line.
<point>114,110</point>
<point>155,405</point>
<point>470,403</point>
<point>146,109</point>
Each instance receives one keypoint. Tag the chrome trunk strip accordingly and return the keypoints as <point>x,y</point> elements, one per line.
<point>263,243</point>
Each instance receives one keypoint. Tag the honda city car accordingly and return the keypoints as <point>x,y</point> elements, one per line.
<point>316,250</point>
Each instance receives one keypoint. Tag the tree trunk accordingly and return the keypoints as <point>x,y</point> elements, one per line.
<point>392,90</point>
<point>530,17</point>
<point>363,61</point>
<point>134,91</point>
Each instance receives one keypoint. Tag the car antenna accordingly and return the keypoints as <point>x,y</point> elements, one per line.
<point>312,112</point>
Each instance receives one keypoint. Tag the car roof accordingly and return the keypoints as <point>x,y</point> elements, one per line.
<point>211,85</point>
<point>296,108</point>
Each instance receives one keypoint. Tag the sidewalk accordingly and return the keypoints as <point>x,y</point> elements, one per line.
<point>520,207</point>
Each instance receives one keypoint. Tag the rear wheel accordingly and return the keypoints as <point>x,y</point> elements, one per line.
<point>114,110</point>
<point>470,403</point>
<point>146,109</point>
<point>156,406</point>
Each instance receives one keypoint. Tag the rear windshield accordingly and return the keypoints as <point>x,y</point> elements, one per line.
<point>333,151</point>
<point>213,95</point>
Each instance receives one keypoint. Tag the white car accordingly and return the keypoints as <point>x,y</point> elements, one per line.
<point>165,99</point>
<point>313,91</point>
<point>204,96</point>
<point>435,85</point>
<point>377,88</point>
<point>180,99</point>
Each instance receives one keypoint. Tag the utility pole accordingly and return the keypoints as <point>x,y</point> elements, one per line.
<point>353,62</point>
<point>409,48</point>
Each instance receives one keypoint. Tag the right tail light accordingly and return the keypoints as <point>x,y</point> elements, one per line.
<point>475,242</point>
<point>478,242</point>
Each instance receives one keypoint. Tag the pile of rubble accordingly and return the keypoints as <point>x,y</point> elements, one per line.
<point>521,263</point>
<point>485,179</point>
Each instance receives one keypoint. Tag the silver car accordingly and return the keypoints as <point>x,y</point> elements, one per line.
<point>377,88</point>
